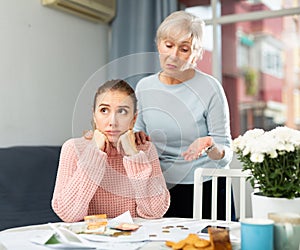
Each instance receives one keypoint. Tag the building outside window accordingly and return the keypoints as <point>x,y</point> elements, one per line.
<point>254,43</point>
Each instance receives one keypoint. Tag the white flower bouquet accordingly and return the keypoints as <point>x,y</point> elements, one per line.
<point>273,157</point>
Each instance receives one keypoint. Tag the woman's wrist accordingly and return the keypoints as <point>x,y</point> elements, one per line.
<point>132,152</point>
<point>214,152</point>
<point>210,148</point>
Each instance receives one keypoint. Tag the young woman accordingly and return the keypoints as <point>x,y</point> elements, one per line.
<point>109,173</point>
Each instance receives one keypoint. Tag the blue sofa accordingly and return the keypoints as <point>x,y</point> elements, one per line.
<point>27,179</point>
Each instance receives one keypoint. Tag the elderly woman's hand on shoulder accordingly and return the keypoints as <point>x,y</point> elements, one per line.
<point>141,137</point>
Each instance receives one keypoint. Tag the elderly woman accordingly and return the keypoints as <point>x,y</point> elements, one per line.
<point>186,114</point>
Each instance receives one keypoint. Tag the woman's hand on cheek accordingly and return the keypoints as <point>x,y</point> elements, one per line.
<point>127,142</point>
<point>100,139</point>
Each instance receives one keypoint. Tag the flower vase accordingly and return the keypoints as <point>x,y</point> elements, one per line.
<point>263,205</point>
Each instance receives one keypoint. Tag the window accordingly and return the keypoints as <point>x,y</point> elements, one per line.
<point>262,35</point>
<point>271,60</point>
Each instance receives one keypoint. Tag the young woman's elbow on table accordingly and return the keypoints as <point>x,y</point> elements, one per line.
<point>66,215</point>
<point>155,209</point>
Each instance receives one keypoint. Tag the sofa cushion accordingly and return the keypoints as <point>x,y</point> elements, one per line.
<point>27,178</point>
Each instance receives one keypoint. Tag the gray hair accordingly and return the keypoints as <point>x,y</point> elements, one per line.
<point>183,25</point>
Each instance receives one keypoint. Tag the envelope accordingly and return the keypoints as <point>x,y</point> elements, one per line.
<point>60,237</point>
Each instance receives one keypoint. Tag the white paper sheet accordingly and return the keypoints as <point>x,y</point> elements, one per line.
<point>173,229</point>
<point>160,230</point>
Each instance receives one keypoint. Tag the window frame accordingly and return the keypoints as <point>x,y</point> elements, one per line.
<point>217,20</point>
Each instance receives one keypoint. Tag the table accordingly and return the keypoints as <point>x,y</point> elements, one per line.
<point>153,230</point>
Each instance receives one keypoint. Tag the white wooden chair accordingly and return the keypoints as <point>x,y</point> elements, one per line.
<point>215,173</point>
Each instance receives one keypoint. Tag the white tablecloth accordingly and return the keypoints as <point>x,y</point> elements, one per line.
<point>152,231</point>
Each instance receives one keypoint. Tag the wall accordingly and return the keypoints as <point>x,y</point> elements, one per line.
<point>46,57</point>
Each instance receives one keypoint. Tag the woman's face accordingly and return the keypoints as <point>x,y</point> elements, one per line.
<point>175,55</point>
<point>114,114</point>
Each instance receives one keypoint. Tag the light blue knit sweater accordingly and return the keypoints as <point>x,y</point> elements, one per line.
<point>176,115</point>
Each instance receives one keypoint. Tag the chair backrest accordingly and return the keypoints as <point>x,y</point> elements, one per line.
<point>214,173</point>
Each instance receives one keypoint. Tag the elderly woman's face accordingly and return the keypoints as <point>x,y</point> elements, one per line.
<point>176,55</point>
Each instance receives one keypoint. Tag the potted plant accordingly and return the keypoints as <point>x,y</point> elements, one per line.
<point>251,81</point>
<point>273,158</point>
